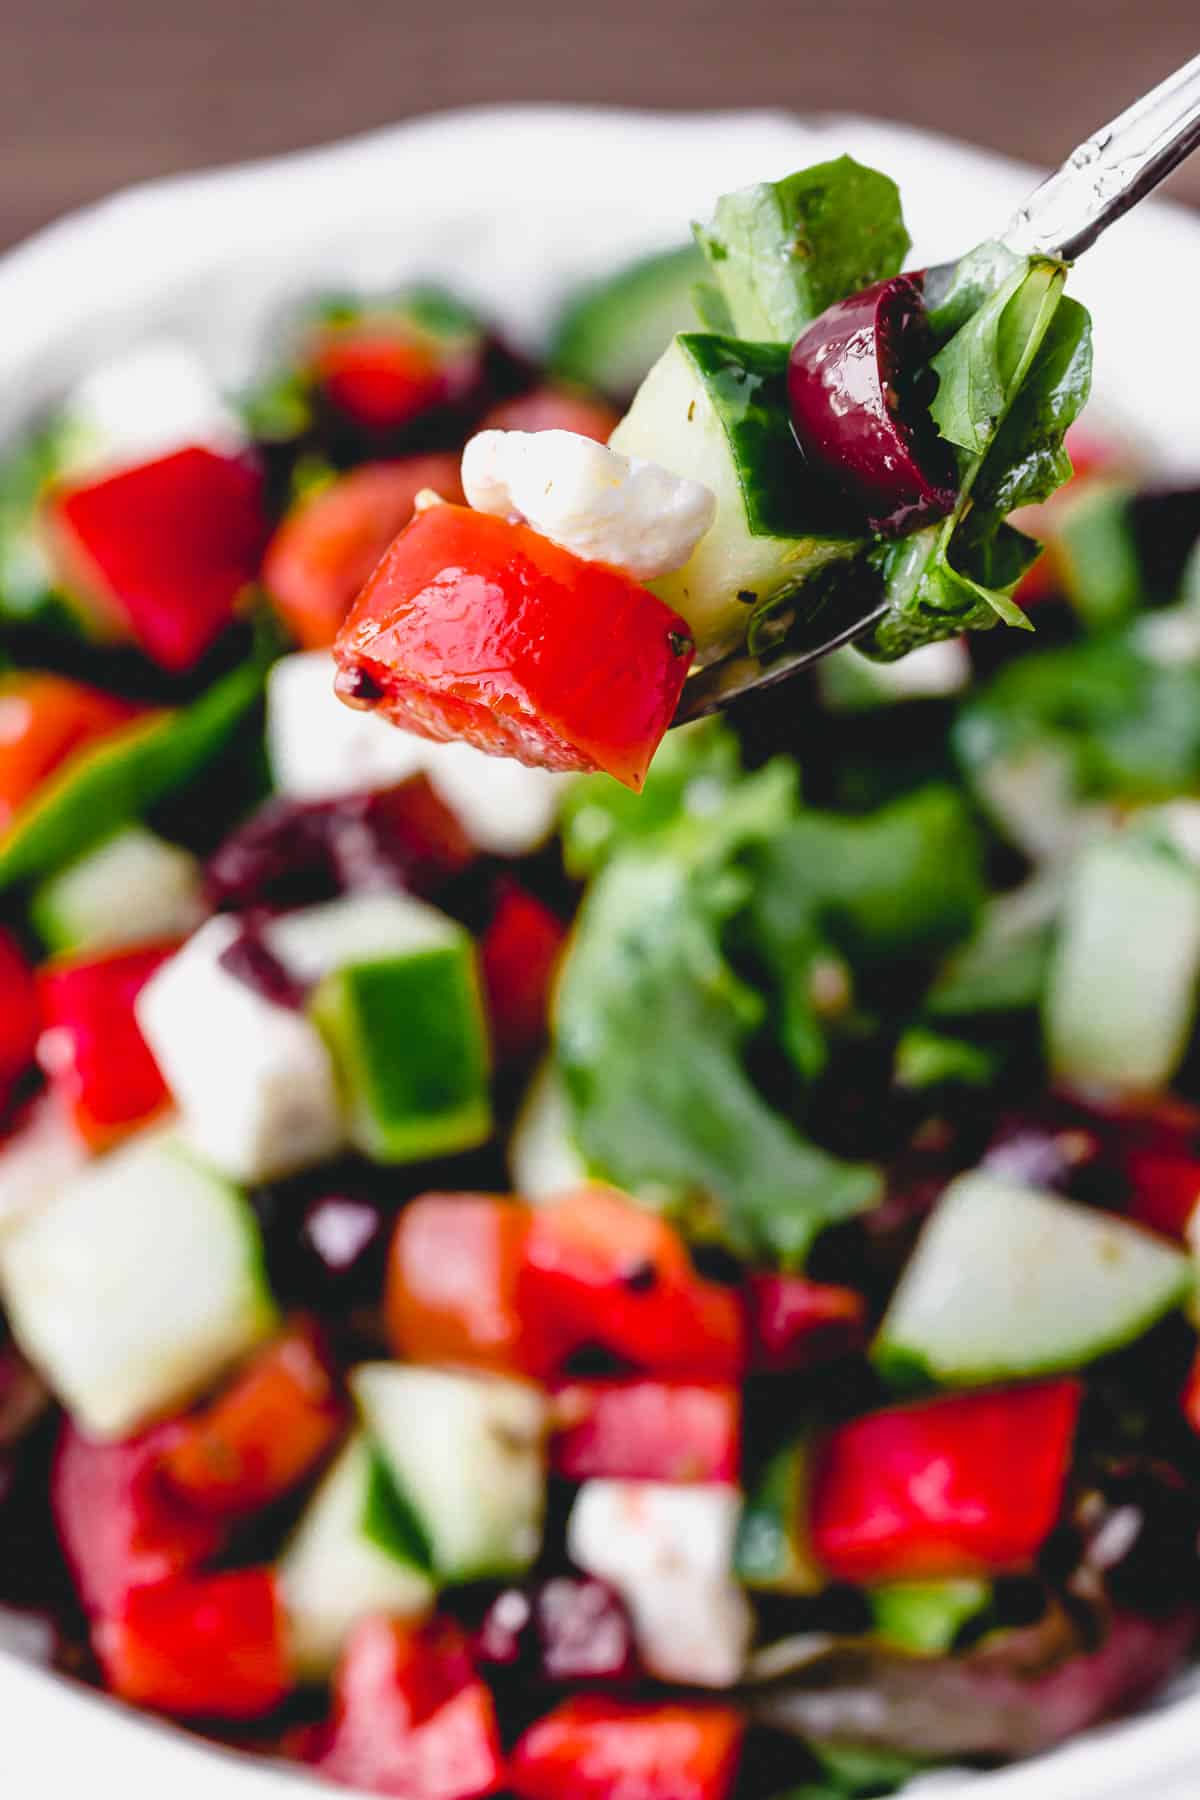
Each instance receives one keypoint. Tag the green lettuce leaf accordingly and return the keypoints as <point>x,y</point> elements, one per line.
<point>782,251</point>
<point>653,1027</point>
<point>693,770</point>
<point>1012,379</point>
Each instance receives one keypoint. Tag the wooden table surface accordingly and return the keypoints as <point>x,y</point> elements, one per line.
<point>95,93</point>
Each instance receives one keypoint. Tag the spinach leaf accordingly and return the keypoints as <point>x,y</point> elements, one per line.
<point>782,251</point>
<point>981,368</point>
<point>653,1027</point>
<point>904,882</point>
<point>1012,380</point>
<point>1126,725</point>
<point>693,770</point>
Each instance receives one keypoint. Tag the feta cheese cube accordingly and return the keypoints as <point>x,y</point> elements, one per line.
<point>320,749</point>
<point>594,501</point>
<point>253,1081</point>
<point>668,1551</point>
<point>142,404</point>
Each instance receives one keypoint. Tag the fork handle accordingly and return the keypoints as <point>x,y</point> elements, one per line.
<point>1117,166</point>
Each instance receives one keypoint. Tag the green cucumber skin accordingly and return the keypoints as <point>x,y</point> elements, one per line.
<point>433,1100</point>
<point>709,410</point>
<point>748,386</point>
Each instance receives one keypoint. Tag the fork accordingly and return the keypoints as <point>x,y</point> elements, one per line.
<point>1100,181</point>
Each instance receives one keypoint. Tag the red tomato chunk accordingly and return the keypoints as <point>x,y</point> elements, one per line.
<point>965,1484</point>
<point>329,543</point>
<point>205,1646</point>
<point>647,1431</point>
<point>161,553</point>
<point>263,1435</point>
<point>119,1526</point>
<point>477,628</point>
<point>601,1273</point>
<point>93,1049</point>
<point>410,1717</point>
<point>594,1749</point>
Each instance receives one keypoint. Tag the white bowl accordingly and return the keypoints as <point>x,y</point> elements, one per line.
<point>513,206</point>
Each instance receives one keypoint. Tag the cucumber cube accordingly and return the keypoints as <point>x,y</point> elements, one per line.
<point>1007,1282</point>
<point>1121,1002</point>
<point>404,1022</point>
<point>716,410</point>
<point>335,1570</point>
<point>129,889</point>
<point>137,1286</point>
<point>467,1455</point>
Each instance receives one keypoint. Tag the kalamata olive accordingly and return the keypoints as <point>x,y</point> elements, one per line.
<point>567,1629</point>
<point>859,388</point>
<point>292,853</point>
<point>326,1235</point>
<point>251,960</point>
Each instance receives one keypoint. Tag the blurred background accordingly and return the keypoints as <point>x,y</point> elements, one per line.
<point>97,93</point>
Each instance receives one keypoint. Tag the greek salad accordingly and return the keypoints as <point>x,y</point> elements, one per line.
<point>514,1286</point>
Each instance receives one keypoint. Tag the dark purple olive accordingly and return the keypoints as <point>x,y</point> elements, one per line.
<point>326,1237</point>
<point>279,857</point>
<point>292,853</point>
<point>564,1630</point>
<point>859,387</point>
<point>251,960</point>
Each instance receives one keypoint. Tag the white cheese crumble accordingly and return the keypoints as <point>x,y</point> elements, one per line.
<point>253,1081</point>
<point>590,499</point>
<point>668,1551</point>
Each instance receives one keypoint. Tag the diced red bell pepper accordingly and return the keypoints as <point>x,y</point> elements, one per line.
<point>20,1012</point>
<point>555,409</point>
<point>161,553</point>
<point>966,1484</point>
<point>598,1749</point>
<point>92,1047</point>
<point>44,720</point>
<point>327,546</point>
<point>1165,1189</point>
<point>118,1525</point>
<point>263,1435</point>
<point>647,1431</point>
<point>796,1323</point>
<point>603,1273</point>
<point>411,1718</point>
<point>200,1647</point>
<point>453,1283</point>
<point>477,628</point>
<point>519,954</point>
<point>382,372</point>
